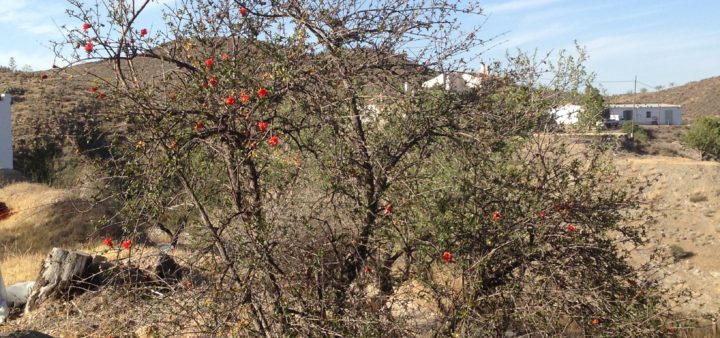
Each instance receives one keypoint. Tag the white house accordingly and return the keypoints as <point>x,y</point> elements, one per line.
<point>6,153</point>
<point>458,81</point>
<point>647,113</point>
<point>567,114</point>
<point>454,81</point>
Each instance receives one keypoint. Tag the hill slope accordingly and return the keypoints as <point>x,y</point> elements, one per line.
<point>698,98</point>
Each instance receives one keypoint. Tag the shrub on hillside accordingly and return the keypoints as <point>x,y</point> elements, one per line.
<point>639,134</point>
<point>16,92</point>
<point>326,200</point>
<point>704,135</point>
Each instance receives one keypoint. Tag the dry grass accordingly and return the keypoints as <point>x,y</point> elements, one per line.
<point>43,217</point>
<point>21,267</point>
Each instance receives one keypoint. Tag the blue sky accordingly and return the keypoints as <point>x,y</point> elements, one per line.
<point>660,41</point>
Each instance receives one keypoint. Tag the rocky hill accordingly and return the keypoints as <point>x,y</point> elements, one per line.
<point>698,98</point>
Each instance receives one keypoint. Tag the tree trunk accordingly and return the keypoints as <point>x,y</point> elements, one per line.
<point>62,271</point>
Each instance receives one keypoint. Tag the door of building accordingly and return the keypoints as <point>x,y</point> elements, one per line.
<point>668,117</point>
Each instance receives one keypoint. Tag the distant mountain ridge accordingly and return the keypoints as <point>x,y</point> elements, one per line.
<point>698,98</point>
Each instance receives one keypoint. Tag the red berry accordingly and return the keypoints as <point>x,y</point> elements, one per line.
<point>262,126</point>
<point>262,92</point>
<point>447,256</point>
<point>274,140</point>
<point>243,11</point>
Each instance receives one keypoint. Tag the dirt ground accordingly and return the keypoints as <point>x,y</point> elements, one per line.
<point>684,202</point>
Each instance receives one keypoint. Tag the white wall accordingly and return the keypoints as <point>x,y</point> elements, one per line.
<point>567,114</point>
<point>6,154</point>
<point>454,81</point>
<point>657,114</point>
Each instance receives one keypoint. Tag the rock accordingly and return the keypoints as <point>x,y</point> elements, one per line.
<point>161,266</point>
<point>18,294</point>
<point>148,331</point>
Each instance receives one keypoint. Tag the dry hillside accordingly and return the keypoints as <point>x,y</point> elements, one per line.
<point>698,98</point>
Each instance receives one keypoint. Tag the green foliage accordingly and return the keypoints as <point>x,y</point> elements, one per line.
<point>639,134</point>
<point>593,105</point>
<point>15,91</point>
<point>704,135</point>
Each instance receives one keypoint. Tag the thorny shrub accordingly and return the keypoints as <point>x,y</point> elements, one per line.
<point>325,197</point>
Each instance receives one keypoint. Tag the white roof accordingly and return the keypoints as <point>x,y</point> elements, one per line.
<point>644,105</point>
<point>567,114</point>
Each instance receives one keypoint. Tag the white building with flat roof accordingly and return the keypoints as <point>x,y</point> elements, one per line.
<point>647,113</point>
<point>6,152</point>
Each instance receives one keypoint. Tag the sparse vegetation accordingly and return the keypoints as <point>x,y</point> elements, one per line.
<point>639,134</point>
<point>679,253</point>
<point>704,135</point>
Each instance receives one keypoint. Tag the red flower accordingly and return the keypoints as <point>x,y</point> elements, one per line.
<point>595,322</point>
<point>86,26</point>
<point>143,32</point>
<point>89,47</point>
<point>388,209</point>
<point>571,228</point>
<point>199,126</point>
<point>243,11</point>
<point>447,256</point>
<point>101,96</point>
<point>93,89</point>
<point>127,244</point>
<point>496,216</point>
<point>209,63</point>
<point>274,140</point>
<point>262,92</point>
<point>108,241</point>
<point>212,81</point>
<point>230,100</point>
<point>262,126</point>
<point>541,214</point>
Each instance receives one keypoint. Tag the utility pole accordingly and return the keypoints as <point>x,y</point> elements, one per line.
<point>632,120</point>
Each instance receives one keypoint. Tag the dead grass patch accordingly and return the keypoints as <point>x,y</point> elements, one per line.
<point>45,217</point>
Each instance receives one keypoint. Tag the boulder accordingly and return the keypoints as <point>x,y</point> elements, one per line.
<point>18,294</point>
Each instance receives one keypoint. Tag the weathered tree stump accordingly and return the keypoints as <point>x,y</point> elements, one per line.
<point>62,271</point>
